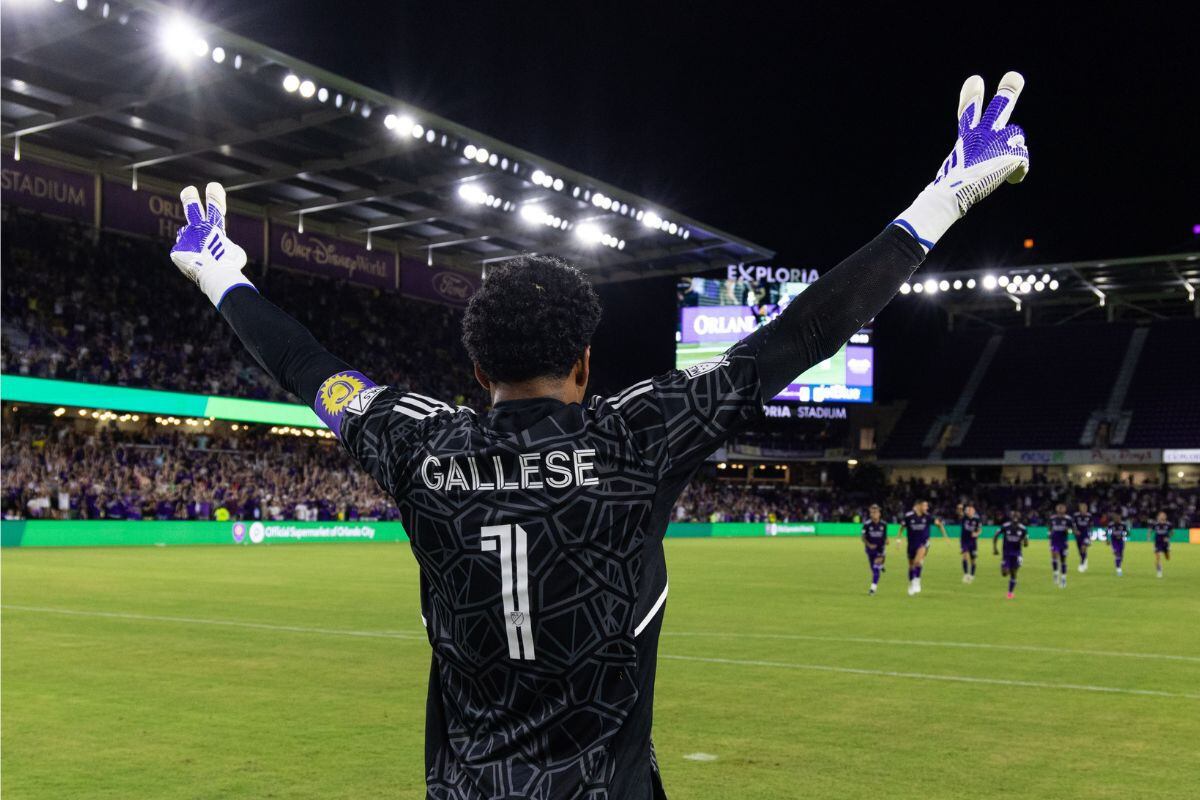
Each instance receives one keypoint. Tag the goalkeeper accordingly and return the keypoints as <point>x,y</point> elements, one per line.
<point>538,527</point>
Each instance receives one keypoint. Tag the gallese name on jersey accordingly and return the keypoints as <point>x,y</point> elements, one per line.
<point>556,469</point>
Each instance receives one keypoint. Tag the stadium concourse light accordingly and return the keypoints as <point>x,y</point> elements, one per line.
<point>931,286</point>
<point>970,283</point>
<point>291,83</point>
<point>307,88</point>
<point>944,285</point>
<point>905,289</point>
<point>989,282</point>
<point>918,288</point>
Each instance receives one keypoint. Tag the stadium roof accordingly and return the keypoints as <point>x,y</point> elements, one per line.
<point>134,91</point>
<point>1149,287</point>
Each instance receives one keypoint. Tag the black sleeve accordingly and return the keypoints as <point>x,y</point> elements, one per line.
<point>828,313</point>
<point>280,344</point>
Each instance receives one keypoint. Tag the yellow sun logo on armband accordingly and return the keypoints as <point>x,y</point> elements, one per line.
<point>338,390</point>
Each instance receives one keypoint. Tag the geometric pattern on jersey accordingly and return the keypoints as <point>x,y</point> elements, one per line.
<point>592,575</point>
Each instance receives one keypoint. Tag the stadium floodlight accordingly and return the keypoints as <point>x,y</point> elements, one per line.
<point>957,285</point>
<point>652,220</point>
<point>218,55</point>
<point>481,155</point>
<point>918,288</point>
<point>905,289</point>
<point>322,94</point>
<point>1012,288</point>
<point>537,176</point>
<point>989,282</point>
<point>1039,286</point>
<point>1002,281</point>
<point>1054,286</point>
<point>944,285</point>
<point>931,286</point>
<point>970,283</point>
<point>307,88</point>
<point>417,131</point>
<point>532,214</point>
<point>472,193</point>
<point>469,152</point>
<point>180,39</point>
<point>589,233</point>
<point>558,184</point>
<point>389,121</point>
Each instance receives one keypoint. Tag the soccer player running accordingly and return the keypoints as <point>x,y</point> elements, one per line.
<point>1060,526</point>
<point>538,526</point>
<point>916,524</point>
<point>1118,534</point>
<point>1083,533</point>
<point>874,534</point>
<point>970,527</point>
<point>1160,529</point>
<point>1016,537</point>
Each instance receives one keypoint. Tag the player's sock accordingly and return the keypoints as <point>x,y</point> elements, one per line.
<point>917,571</point>
<point>1012,584</point>
<point>874,573</point>
<point>972,566</point>
<point>964,563</point>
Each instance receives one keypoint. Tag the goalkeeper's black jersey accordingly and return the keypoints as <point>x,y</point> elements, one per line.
<point>538,530</point>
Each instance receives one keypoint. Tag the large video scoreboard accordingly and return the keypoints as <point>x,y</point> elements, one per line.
<point>715,312</point>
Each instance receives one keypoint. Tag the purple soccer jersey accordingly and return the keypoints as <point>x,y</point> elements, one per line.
<point>1060,530</point>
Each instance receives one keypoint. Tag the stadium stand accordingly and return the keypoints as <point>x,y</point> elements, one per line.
<point>936,395</point>
<point>1026,401</point>
<point>1162,396</point>
<point>712,500</point>
<point>87,471</point>
<point>66,306</point>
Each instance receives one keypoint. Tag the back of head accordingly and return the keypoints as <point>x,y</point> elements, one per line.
<point>533,318</point>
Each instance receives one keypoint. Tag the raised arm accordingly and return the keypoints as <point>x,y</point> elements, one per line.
<point>281,345</point>
<point>988,152</point>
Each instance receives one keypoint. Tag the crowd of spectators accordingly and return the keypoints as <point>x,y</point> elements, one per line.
<point>105,308</point>
<point>714,500</point>
<point>65,472</point>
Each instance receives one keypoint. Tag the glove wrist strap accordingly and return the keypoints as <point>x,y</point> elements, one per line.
<point>216,283</point>
<point>929,216</point>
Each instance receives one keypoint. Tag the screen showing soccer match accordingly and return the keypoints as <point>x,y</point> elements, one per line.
<point>717,312</point>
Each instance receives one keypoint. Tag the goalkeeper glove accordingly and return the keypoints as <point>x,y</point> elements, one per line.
<point>988,152</point>
<point>202,251</point>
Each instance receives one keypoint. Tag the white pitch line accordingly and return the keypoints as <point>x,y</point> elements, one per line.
<point>220,622</point>
<point>882,673</point>
<point>1022,648</point>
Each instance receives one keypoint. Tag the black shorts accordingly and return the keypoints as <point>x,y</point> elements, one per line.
<point>1162,545</point>
<point>968,544</point>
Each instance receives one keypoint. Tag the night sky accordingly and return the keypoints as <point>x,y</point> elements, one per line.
<point>802,127</point>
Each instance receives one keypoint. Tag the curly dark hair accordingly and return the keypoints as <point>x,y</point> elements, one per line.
<point>532,318</point>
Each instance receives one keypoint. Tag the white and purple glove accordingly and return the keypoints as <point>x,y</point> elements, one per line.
<point>988,152</point>
<point>202,251</point>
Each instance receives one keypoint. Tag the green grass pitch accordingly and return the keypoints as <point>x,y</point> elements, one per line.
<point>299,671</point>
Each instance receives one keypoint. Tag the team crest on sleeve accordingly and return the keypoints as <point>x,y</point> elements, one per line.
<point>696,370</point>
<point>338,391</point>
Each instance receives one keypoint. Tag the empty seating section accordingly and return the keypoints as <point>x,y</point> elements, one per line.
<point>947,369</point>
<point>1042,387</point>
<point>1165,394</point>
